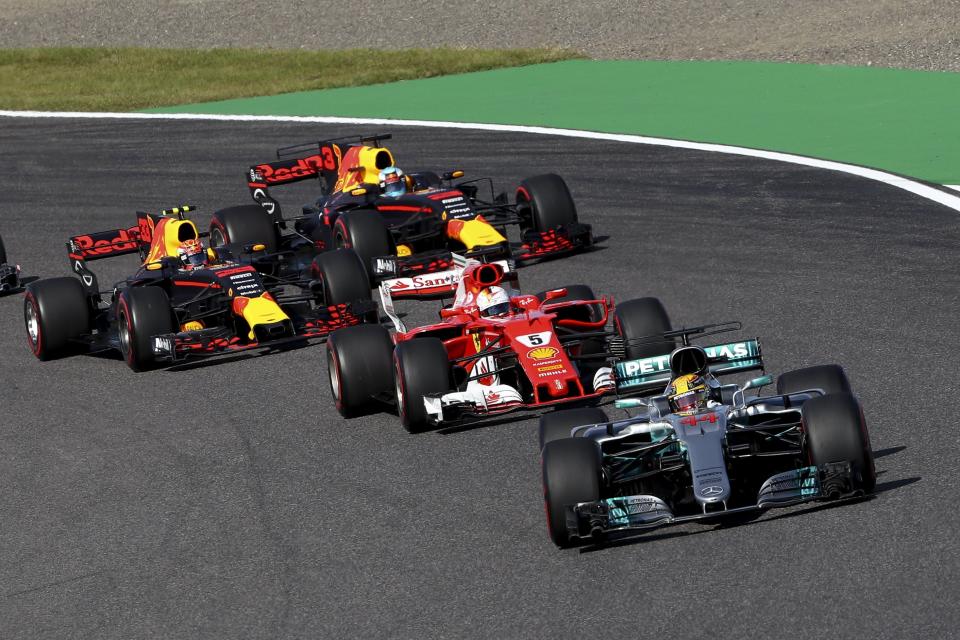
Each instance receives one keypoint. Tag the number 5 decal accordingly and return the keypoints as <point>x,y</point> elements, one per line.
<point>535,339</point>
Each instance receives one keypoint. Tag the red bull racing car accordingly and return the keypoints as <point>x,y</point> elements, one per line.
<point>187,301</point>
<point>493,351</point>
<point>401,224</point>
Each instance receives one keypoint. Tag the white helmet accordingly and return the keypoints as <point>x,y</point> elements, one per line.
<point>493,302</point>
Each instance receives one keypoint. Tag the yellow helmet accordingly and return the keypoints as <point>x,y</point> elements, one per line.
<point>688,394</point>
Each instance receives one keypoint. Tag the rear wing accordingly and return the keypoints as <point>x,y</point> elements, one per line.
<point>648,374</point>
<point>299,162</point>
<point>430,286</point>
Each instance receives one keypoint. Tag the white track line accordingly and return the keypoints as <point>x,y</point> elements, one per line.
<point>924,191</point>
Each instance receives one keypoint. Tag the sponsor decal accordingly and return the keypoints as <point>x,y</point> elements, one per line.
<point>102,244</point>
<point>162,345</point>
<point>535,339</point>
<point>424,282</point>
<point>712,490</point>
<point>734,350</point>
<point>542,353</point>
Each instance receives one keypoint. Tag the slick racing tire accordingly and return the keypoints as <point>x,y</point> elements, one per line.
<point>828,377</point>
<point>571,474</point>
<point>366,233</point>
<point>3,252</point>
<point>544,202</point>
<point>360,367</point>
<point>640,318</point>
<point>243,224</point>
<point>343,276</point>
<point>55,311</point>
<point>557,424</point>
<point>142,313</point>
<point>421,367</point>
<point>835,431</point>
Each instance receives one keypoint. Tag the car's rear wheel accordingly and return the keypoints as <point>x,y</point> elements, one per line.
<point>571,474</point>
<point>360,367</point>
<point>422,367</point>
<point>55,311</point>
<point>639,322</point>
<point>544,202</point>
<point>142,313</point>
<point>242,225</point>
<point>366,233</point>
<point>3,252</point>
<point>835,431</point>
<point>829,378</point>
<point>557,424</point>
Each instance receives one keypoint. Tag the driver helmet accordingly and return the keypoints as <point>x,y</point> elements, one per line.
<point>688,394</point>
<point>493,302</point>
<point>392,182</point>
<point>192,254</point>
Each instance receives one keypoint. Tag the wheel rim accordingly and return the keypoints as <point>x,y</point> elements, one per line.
<point>124,335</point>
<point>334,376</point>
<point>398,386</point>
<point>216,237</point>
<point>33,324</point>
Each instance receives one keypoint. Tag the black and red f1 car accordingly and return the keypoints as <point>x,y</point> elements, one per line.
<point>9,273</point>
<point>414,233</point>
<point>548,349</point>
<point>167,311</point>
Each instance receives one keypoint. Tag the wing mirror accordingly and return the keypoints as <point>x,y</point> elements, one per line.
<point>554,294</point>
<point>756,383</point>
<point>453,175</point>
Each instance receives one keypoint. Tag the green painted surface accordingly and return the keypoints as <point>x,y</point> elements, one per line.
<point>902,121</point>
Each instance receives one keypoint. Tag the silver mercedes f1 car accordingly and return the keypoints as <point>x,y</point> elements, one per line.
<point>727,457</point>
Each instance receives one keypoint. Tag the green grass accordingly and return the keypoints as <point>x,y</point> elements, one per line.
<point>126,79</point>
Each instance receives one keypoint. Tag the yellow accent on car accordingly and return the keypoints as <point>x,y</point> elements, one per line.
<point>175,232</point>
<point>193,325</point>
<point>403,251</point>
<point>477,233</point>
<point>262,311</point>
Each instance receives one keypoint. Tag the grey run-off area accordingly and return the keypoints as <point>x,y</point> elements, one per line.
<point>232,501</point>
<point>921,34</point>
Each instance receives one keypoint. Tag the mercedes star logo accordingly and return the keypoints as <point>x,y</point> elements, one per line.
<point>712,490</point>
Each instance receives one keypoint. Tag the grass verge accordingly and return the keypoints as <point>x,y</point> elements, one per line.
<point>126,79</point>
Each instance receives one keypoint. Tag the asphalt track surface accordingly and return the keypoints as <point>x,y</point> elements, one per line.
<point>231,501</point>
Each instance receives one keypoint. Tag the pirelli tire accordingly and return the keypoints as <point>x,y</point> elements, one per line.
<point>642,318</point>
<point>56,311</point>
<point>142,313</point>
<point>829,378</point>
<point>835,430</point>
<point>3,252</point>
<point>242,225</point>
<point>421,367</point>
<point>544,202</point>
<point>571,474</point>
<point>557,425</point>
<point>365,232</point>
<point>342,275</point>
<point>360,367</point>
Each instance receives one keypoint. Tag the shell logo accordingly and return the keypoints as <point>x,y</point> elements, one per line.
<point>541,353</point>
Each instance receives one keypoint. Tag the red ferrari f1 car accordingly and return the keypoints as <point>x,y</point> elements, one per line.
<point>401,224</point>
<point>187,301</point>
<point>482,359</point>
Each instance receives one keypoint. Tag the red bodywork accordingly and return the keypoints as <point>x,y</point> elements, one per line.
<point>530,334</point>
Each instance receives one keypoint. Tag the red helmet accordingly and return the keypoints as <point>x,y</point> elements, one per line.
<point>192,254</point>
